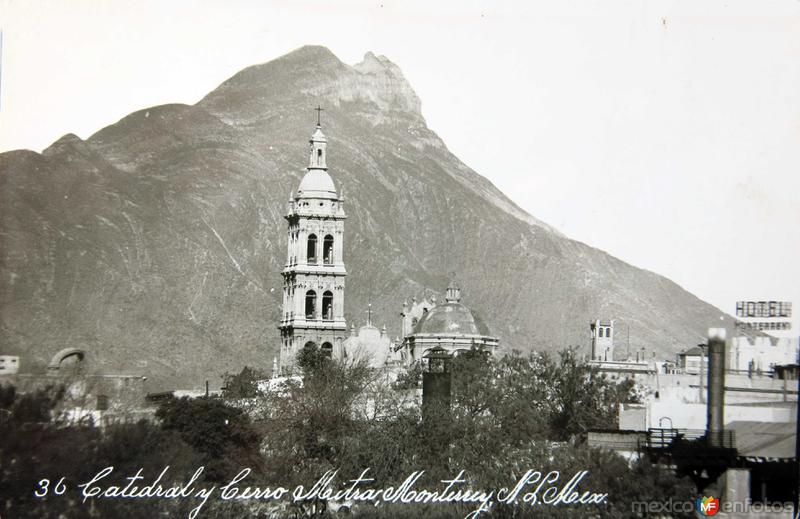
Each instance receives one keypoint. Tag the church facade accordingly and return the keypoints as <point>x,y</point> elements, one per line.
<point>314,273</point>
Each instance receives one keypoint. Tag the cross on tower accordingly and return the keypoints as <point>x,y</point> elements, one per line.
<point>369,312</point>
<point>319,112</point>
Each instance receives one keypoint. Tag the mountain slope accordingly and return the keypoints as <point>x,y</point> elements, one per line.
<point>157,243</point>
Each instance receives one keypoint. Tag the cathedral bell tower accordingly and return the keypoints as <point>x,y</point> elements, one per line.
<point>313,277</point>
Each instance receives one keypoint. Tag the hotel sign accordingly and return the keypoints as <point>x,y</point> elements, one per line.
<point>764,315</point>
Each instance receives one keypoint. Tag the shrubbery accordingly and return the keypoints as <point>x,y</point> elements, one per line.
<point>507,416</point>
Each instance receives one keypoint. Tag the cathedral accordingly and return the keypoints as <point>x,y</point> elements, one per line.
<point>314,287</point>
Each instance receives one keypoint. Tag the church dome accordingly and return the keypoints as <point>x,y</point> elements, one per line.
<point>451,318</point>
<point>317,184</point>
<point>369,333</point>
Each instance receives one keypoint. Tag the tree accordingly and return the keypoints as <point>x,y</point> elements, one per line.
<point>580,399</point>
<point>222,435</point>
<point>243,385</point>
<point>311,359</point>
<point>38,450</point>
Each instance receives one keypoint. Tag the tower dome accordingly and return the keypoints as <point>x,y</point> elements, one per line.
<point>317,183</point>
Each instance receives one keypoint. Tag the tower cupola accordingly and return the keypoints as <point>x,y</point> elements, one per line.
<point>317,183</point>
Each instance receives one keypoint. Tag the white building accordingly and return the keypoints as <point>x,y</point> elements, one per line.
<point>761,354</point>
<point>9,364</point>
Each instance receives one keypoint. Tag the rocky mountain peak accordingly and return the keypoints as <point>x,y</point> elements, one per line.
<point>66,141</point>
<point>315,72</point>
<point>386,84</point>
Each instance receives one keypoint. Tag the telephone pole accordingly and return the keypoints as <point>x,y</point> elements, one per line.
<point>797,440</point>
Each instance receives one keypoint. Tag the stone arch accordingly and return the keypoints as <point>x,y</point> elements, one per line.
<point>311,305</point>
<point>311,249</point>
<point>327,349</point>
<point>327,305</point>
<point>58,358</point>
<point>327,250</point>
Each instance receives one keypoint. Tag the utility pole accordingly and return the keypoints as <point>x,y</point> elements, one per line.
<point>797,441</point>
<point>703,367</point>
<point>628,330</point>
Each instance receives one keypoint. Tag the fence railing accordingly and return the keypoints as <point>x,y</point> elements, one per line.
<point>658,438</point>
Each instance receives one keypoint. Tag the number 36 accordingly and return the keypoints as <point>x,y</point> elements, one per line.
<point>44,486</point>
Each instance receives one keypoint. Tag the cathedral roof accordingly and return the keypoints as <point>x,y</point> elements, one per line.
<point>451,318</point>
<point>317,184</point>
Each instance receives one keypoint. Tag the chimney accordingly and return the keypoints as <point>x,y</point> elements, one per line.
<point>715,423</point>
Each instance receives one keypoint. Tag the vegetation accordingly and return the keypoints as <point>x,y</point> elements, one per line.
<point>507,416</point>
<point>242,385</point>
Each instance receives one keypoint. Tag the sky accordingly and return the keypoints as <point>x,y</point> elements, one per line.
<point>666,133</point>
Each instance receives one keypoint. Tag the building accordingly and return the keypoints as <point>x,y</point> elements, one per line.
<point>602,360</point>
<point>314,274</point>
<point>87,398</point>
<point>602,339</point>
<point>744,354</point>
<point>761,354</point>
<point>314,286</point>
<point>786,371</point>
<point>412,313</point>
<point>451,326</point>
<point>371,344</point>
<point>694,360</point>
<point>9,364</point>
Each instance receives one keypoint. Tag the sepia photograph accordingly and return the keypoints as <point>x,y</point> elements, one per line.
<point>378,259</point>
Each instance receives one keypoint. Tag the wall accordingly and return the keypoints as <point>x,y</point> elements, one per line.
<point>762,352</point>
<point>118,394</point>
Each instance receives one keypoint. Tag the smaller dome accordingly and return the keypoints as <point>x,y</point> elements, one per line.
<point>369,333</point>
<point>451,318</point>
<point>317,184</point>
<point>369,344</point>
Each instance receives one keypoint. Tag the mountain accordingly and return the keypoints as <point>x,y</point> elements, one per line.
<point>157,243</point>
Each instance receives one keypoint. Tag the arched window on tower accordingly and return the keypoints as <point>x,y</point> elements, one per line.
<point>319,156</point>
<point>327,349</point>
<point>311,304</point>
<point>327,249</point>
<point>327,305</point>
<point>311,249</point>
